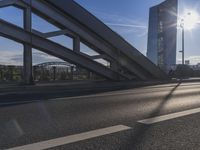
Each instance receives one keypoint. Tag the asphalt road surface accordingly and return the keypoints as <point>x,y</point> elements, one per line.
<point>162,117</point>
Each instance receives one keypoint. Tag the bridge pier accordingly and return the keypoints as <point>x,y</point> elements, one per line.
<point>27,58</point>
<point>76,44</point>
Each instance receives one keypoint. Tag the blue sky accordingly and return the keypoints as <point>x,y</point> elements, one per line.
<point>129,18</point>
<point>133,14</point>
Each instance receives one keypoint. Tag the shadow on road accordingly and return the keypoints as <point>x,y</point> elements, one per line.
<point>138,137</point>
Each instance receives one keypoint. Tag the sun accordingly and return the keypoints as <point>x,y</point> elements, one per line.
<point>190,19</point>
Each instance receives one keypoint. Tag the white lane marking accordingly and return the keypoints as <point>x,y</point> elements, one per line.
<point>169,116</point>
<point>72,138</point>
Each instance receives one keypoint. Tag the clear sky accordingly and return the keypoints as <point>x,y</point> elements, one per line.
<point>129,18</point>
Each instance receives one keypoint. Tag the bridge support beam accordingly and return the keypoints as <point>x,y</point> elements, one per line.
<point>58,33</point>
<point>6,3</point>
<point>55,49</point>
<point>76,44</point>
<point>27,59</point>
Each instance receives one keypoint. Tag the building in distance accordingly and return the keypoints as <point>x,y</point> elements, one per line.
<point>162,34</point>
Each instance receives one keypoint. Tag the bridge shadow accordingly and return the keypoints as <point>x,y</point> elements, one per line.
<point>140,130</point>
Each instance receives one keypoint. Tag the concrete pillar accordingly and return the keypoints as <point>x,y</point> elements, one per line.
<point>27,70</point>
<point>76,44</point>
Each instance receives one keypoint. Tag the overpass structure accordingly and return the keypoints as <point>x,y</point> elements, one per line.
<point>126,62</point>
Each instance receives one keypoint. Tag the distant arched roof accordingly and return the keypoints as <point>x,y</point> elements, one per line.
<point>47,64</point>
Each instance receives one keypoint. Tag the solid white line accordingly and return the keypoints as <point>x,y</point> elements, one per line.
<point>72,138</point>
<point>169,116</point>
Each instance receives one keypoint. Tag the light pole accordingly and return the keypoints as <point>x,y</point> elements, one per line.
<point>183,41</point>
<point>187,22</point>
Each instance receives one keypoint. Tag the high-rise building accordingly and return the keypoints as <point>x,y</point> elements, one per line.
<point>162,34</point>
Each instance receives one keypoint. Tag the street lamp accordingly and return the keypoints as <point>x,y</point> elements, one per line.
<point>183,41</point>
<point>187,22</point>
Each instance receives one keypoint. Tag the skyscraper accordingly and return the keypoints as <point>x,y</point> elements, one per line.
<point>162,34</point>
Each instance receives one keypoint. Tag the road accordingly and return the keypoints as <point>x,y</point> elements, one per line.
<point>107,121</point>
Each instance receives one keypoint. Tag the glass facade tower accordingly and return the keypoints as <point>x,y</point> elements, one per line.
<point>162,34</point>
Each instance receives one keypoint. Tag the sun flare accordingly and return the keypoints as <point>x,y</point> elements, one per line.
<point>190,19</point>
